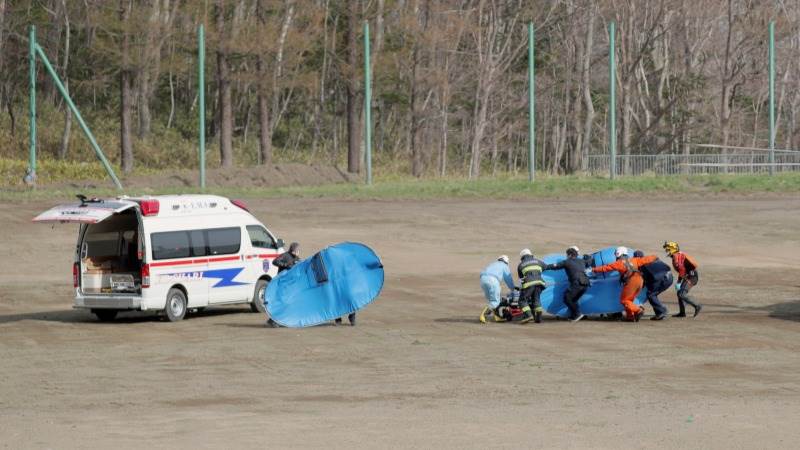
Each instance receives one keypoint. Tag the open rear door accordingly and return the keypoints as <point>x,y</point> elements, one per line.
<point>87,212</point>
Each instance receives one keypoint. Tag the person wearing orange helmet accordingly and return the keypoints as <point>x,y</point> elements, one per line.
<point>686,266</point>
<point>631,279</point>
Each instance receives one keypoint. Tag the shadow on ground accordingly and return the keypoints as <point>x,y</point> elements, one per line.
<point>785,311</point>
<point>84,316</point>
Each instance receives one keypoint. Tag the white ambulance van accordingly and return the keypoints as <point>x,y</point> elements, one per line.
<point>168,253</point>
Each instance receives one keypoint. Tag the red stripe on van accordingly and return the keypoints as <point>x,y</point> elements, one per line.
<point>264,256</point>
<point>173,263</point>
<point>226,258</point>
<point>186,262</point>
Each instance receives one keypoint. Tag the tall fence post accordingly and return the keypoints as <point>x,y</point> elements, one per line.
<point>201,89</point>
<point>612,106</point>
<point>531,108</point>
<point>772,98</point>
<point>30,177</point>
<point>367,106</point>
<point>63,91</point>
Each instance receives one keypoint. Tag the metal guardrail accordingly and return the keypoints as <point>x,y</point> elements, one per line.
<point>672,164</point>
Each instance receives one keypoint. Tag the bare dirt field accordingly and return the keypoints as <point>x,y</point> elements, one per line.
<point>419,370</point>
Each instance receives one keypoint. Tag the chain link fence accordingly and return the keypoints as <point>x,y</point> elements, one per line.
<point>671,164</point>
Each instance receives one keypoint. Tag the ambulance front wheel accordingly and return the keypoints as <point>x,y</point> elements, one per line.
<point>175,309</point>
<point>257,305</point>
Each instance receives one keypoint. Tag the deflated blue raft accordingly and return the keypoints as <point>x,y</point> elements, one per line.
<point>335,282</point>
<point>602,297</point>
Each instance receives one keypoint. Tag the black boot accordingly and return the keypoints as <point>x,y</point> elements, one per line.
<point>352,318</point>
<point>682,308</point>
<point>537,317</point>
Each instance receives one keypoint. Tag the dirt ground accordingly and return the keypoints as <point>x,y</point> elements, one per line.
<point>419,371</point>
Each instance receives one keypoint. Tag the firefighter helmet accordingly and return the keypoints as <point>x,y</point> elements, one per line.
<point>671,247</point>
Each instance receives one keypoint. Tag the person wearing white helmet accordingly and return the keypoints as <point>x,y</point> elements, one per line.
<point>575,269</point>
<point>631,278</point>
<point>530,274</point>
<point>491,276</point>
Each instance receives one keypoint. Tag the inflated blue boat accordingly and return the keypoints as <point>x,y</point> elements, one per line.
<point>602,297</point>
<point>335,282</point>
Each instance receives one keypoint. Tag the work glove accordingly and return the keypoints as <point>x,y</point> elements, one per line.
<point>589,273</point>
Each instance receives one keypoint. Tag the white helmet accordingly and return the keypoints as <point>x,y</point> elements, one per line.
<point>621,251</point>
<point>525,252</point>
<point>503,258</point>
<point>576,249</point>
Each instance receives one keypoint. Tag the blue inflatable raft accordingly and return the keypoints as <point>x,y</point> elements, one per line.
<point>602,297</point>
<point>335,282</point>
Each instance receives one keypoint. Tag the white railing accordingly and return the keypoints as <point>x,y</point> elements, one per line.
<point>671,164</point>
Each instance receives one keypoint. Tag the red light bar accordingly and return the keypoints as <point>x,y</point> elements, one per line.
<point>149,207</point>
<point>241,204</point>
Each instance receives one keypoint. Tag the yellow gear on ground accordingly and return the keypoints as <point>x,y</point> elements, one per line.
<point>482,318</point>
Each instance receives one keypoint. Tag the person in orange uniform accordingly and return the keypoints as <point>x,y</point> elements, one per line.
<point>686,266</point>
<point>631,279</point>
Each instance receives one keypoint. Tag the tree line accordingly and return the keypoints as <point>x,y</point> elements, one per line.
<point>450,86</point>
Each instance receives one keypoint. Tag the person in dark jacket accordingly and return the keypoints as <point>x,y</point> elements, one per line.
<point>285,261</point>
<point>530,276</point>
<point>288,259</point>
<point>657,279</point>
<point>575,268</point>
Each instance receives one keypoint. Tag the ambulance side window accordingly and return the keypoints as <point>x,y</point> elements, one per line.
<point>259,237</point>
<point>172,244</point>
<point>224,241</point>
<point>198,239</point>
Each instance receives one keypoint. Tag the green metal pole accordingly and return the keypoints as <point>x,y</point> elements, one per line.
<point>201,88</point>
<point>78,117</point>
<point>367,105</point>
<point>612,106</point>
<point>31,175</point>
<point>531,109</point>
<point>772,98</point>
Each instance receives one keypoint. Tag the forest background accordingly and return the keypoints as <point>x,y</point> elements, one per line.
<point>450,93</point>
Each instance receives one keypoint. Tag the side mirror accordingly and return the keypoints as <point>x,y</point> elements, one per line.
<point>281,243</point>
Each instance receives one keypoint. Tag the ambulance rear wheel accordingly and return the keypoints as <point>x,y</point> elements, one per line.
<point>257,305</point>
<point>175,309</point>
<point>105,315</point>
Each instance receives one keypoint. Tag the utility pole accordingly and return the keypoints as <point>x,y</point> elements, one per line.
<point>30,177</point>
<point>772,98</point>
<point>367,106</point>
<point>201,88</point>
<point>612,106</point>
<point>531,109</point>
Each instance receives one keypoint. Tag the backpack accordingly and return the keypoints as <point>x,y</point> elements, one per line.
<point>630,269</point>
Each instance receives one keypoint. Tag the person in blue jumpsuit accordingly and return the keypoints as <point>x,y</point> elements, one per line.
<point>657,279</point>
<point>491,277</point>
